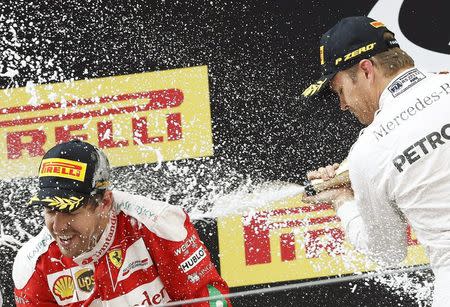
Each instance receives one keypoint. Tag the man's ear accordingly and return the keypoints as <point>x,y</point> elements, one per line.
<point>107,202</point>
<point>368,69</point>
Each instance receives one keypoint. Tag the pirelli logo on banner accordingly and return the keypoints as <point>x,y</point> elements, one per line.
<point>289,240</point>
<point>136,119</point>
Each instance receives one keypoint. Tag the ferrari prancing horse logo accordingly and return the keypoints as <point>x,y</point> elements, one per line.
<point>115,256</point>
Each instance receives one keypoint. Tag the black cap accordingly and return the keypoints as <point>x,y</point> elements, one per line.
<point>69,174</point>
<point>351,40</point>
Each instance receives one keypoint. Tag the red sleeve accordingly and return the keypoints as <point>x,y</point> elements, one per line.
<point>186,269</point>
<point>35,293</point>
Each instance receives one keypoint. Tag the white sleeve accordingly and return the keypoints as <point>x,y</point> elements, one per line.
<point>371,223</point>
<point>353,226</point>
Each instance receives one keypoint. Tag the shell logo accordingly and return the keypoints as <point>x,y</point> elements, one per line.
<point>64,287</point>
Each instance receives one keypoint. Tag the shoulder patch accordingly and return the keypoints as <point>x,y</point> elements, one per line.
<point>161,218</point>
<point>25,261</point>
<point>405,81</point>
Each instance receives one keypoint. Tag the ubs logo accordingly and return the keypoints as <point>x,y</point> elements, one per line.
<point>85,280</point>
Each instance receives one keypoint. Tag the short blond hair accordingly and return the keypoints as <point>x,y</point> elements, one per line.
<point>390,62</point>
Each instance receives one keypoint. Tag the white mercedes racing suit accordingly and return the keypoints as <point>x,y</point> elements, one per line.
<point>400,173</point>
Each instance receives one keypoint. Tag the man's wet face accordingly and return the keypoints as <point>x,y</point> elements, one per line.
<point>353,96</point>
<point>76,232</point>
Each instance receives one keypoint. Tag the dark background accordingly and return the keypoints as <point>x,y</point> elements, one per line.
<point>260,55</point>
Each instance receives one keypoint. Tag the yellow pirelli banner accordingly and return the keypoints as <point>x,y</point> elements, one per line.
<point>289,240</point>
<point>135,119</point>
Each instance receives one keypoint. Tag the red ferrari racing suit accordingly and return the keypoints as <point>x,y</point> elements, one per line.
<point>149,254</point>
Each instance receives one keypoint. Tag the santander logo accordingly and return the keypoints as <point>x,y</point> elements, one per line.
<point>154,299</point>
<point>417,34</point>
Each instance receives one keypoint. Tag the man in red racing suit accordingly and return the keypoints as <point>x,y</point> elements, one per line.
<point>148,253</point>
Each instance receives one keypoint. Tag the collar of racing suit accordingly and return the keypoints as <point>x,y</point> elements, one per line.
<point>103,244</point>
<point>386,95</point>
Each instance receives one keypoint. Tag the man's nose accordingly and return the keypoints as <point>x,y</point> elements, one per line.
<point>343,105</point>
<point>61,221</point>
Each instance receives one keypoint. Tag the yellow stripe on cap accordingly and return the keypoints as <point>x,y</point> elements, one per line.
<point>322,55</point>
<point>63,168</point>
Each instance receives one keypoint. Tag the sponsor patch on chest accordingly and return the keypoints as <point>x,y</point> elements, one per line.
<point>72,285</point>
<point>136,258</point>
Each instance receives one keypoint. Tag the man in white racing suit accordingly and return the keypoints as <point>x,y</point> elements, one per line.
<point>399,167</point>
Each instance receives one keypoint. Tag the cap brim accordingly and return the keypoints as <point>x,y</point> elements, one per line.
<point>59,199</point>
<point>317,87</point>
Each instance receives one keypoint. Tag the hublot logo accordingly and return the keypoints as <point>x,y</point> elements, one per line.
<point>192,261</point>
